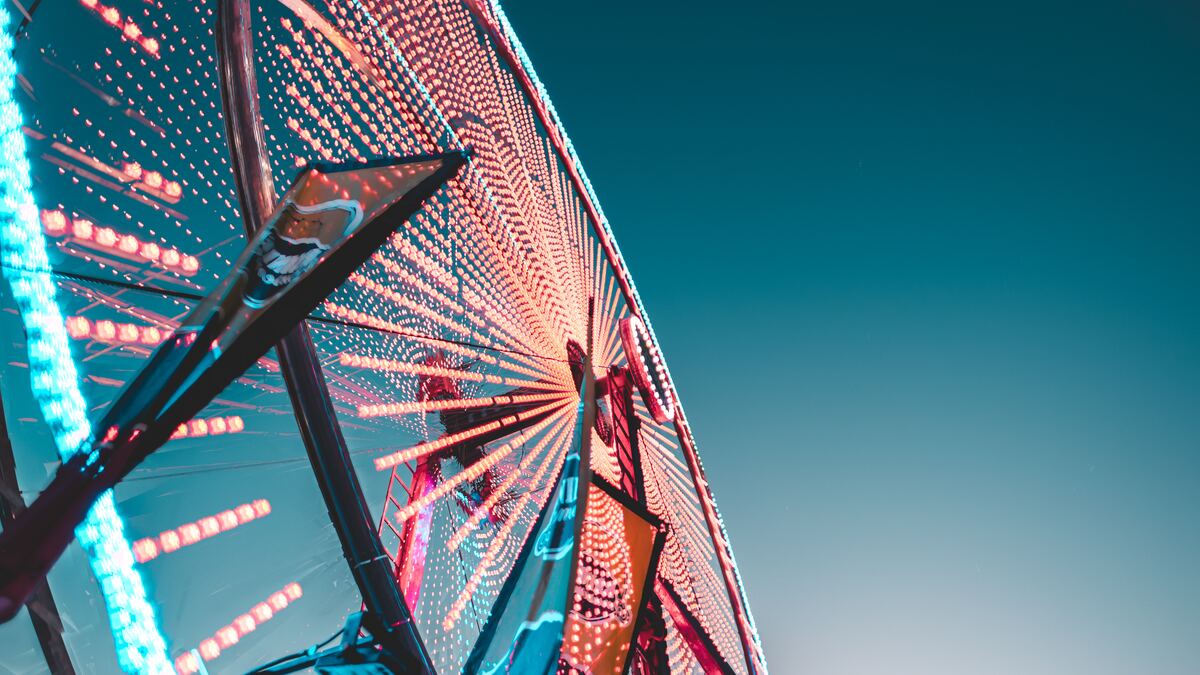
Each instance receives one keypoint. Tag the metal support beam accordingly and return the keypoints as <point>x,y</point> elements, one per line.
<point>689,628</point>
<point>43,612</point>
<point>625,433</point>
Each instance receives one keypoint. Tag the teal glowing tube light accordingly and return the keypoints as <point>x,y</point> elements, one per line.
<point>140,645</point>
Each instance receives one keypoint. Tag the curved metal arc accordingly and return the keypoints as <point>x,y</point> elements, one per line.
<point>43,612</point>
<point>299,364</point>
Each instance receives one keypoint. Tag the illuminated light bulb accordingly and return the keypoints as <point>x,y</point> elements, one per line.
<point>170,257</point>
<point>209,526</point>
<point>228,520</point>
<point>235,423</point>
<point>262,612</point>
<point>111,15</point>
<point>78,327</point>
<point>227,637</point>
<point>198,427</point>
<point>244,624</point>
<point>151,336</point>
<point>105,236</point>
<point>189,264</point>
<point>186,664</point>
<point>245,513</point>
<point>173,189</point>
<point>131,31</point>
<point>189,534</point>
<point>150,251</point>
<point>150,45</point>
<point>127,332</point>
<point>153,178</point>
<point>132,169</point>
<point>54,222</point>
<point>209,649</point>
<point>278,601</point>
<point>144,550</point>
<point>169,541</point>
<point>82,229</point>
<point>106,330</point>
<point>129,244</point>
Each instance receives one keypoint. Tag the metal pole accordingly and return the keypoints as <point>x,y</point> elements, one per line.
<point>43,612</point>
<point>298,360</point>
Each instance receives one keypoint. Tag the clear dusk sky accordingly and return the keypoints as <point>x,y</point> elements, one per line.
<point>926,274</point>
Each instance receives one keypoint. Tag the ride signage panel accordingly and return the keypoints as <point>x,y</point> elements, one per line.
<point>618,554</point>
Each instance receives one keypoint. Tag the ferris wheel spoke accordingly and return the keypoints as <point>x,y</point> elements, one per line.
<point>485,316</point>
<point>489,558</point>
<point>501,358</point>
<point>407,303</point>
<point>399,273</point>
<point>229,635</point>
<point>498,426</point>
<point>426,370</point>
<point>420,407</point>
<point>482,300</point>
<point>477,469</point>
<point>552,440</point>
<point>522,288</point>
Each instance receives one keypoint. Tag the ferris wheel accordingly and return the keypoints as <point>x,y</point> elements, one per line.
<point>491,471</point>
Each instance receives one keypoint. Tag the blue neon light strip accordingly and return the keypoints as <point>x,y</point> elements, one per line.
<point>139,642</point>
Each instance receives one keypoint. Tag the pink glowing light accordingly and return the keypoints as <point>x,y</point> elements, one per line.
<point>84,232</point>
<point>187,534</point>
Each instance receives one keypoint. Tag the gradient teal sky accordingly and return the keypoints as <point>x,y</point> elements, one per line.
<point>927,278</point>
